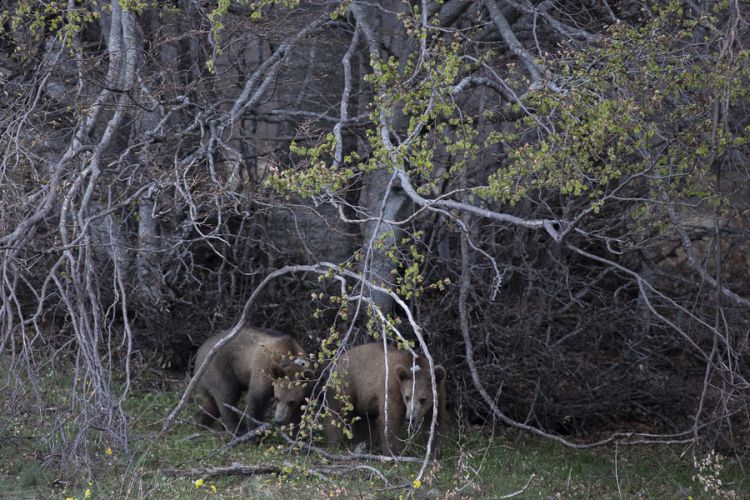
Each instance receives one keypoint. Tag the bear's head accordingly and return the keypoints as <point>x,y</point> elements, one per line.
<point>292,384</point>
<point>416,389</point>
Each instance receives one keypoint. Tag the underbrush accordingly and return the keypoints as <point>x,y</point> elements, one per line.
<point>476,463</point>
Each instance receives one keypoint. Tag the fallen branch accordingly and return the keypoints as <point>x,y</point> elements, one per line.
<point>238,469</point>
<point>516,493</point>
<point>235,469</point>
<point>349,457</point>
<point>259,431</point>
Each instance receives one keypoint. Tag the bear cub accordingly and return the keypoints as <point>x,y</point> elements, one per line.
<point>267,365</point>
<point>362,372</point>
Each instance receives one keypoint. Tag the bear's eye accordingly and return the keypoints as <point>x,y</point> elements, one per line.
<point>423,400</point>
<point>408,398</point>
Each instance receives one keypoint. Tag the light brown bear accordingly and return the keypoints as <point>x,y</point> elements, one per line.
<point>361,371</point>
<point>264,363</point>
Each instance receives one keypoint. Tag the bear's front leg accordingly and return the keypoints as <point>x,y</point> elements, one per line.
<point>256,402</point>
<point>333,423</point>
<point>226,398</point>
<point>388,431</point>
<point>208,412</point>
<point>437,440</point>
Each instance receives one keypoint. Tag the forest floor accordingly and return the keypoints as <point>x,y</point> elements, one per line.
<point>476,464</point>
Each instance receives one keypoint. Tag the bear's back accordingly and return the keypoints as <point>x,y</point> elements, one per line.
<point>256,350</point>
<point>252,350</point>
<point>365,365</point>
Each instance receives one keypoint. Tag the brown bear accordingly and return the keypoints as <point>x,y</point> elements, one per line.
<point>361,372</point>
<point>264,363</point>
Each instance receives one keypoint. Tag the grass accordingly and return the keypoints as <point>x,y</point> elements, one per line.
<point>475,464</point>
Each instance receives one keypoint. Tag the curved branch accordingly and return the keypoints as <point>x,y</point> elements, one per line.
<point>322,268</point>
<point>479,81</point>
<point>170,420</point>
<point>535,71</point>
<point>548,225</point>
<point>626,438</point>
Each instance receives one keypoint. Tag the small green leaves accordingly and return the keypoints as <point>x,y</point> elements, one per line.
<point>636,102</point>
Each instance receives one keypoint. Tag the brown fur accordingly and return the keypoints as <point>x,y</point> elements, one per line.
<point>258,362</point>
<point>362,372</point>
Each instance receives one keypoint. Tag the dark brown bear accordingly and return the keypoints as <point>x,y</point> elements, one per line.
<point>266,364</point>
<point>361,371</point>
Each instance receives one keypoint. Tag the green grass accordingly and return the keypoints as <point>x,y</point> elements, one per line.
<point>475,464</point>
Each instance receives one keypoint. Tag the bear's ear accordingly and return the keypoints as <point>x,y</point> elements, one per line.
<point>277,371</point>
<point>402,373</point>
<point>308,374</point>
<point>439,374</point>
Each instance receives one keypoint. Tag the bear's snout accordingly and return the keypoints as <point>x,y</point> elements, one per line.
<point>281,415</point>
<point>413,413</point>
